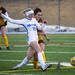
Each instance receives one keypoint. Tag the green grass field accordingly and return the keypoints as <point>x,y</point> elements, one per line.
<point>61,47</point>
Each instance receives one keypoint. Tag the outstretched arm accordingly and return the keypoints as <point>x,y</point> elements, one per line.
<point>10,19</point>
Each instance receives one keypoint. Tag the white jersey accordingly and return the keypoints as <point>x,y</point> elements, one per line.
<point>31,26</point>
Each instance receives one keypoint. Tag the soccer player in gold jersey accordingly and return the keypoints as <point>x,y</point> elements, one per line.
<point>3,24</point>
<point>38,16</point>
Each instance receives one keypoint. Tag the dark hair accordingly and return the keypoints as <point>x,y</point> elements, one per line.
<point>36,10</point>
<point>3,10</point>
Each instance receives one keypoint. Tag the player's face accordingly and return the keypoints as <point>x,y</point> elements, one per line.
<point>38,16</point>
<point>31,16</point>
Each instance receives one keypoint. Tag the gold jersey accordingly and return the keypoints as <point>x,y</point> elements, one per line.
<point>40,37</point>
<point>2,21</point>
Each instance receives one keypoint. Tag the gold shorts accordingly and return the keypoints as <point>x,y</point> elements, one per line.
<point>40,41</point>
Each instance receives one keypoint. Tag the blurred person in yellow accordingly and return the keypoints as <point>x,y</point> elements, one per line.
<point>38,17</point>
<point>3,24</point>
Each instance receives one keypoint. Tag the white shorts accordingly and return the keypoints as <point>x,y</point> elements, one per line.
<point>32,39</point>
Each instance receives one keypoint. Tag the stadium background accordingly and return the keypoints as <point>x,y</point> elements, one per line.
<point>56,12</point>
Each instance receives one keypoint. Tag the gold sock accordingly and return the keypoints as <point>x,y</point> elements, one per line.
<point>35,64</point>
<point>6,40</point>
<point>44,57</point>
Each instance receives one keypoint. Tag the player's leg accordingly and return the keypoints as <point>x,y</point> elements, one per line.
<point>3,32</point>
<point>37,47</point>
<point>33,46</point>
<point>26,59</point>
<point>42,45</point>
<point>35,60</point>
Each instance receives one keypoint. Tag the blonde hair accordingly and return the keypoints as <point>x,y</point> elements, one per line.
<point>26,10</point>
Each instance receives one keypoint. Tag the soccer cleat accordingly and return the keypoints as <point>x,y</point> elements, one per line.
<point>15,68</point>
<point>46,66</point>
<point>8,48</point>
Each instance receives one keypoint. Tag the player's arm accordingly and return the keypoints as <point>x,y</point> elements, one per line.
<point>41,32</point>
<point>39,27</point>
<point>10,19</point>
<point>6,14</point>
<point>47,38</point>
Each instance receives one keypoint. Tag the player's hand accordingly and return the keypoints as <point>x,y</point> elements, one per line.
<point>45,22</point>
<point>47,38</point>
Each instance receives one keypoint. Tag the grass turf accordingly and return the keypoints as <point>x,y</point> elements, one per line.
<point>61,47</point>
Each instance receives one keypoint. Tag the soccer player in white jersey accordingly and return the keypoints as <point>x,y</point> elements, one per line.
<point>31,25</point>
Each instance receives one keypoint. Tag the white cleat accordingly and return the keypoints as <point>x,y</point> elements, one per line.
<point>15,68</point>
<point>46,66</point>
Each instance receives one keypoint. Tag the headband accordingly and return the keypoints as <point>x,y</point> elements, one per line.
<point>29,12</point>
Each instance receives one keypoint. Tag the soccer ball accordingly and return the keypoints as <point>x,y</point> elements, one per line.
<point>72,61</point>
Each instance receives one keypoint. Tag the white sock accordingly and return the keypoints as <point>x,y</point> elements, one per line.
<point>25,60</point>
<point>40,58</point>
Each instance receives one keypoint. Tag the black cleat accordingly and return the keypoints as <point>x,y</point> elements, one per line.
<point>8,48</point>
<point>47,66</point>
<point>50,65</point>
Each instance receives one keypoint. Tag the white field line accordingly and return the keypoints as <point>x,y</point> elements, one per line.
<point>64,41</point>
<point>45,52</point>
<point>64,45</point>
<point>10,60</point>
<point>20,45</point>
<point>49,62</point>
<point>15,46</point>
<point>16,74</point>
<point>12,51</point>
<point>60,45</point>
<point>52,40</point>
<point>61,52</point>
<point>68,43</point>
<point>7,60</point>
<point>61,63</point>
